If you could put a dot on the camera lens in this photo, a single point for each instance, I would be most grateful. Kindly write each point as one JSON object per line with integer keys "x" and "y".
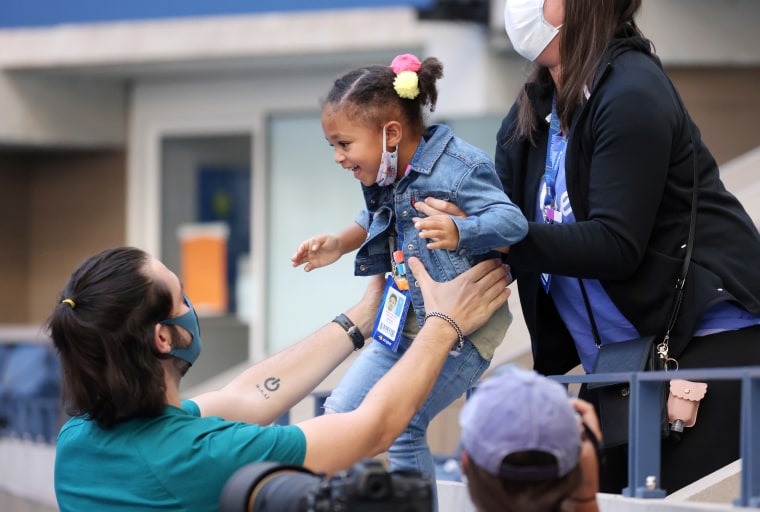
{"x": 375, "y": 487}
{"x": 365, "y": 487}
{"x": 268, "y": 487}
{"x": 285, "y": 491}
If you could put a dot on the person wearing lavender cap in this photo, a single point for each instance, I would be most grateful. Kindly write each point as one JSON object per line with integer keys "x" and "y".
{"x": 526, "y": 445}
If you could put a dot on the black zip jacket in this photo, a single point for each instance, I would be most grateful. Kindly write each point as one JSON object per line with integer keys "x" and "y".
{"x": 629, "y": 165}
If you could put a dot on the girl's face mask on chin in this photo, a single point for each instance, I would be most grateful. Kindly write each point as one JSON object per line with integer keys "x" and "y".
{"x": 388, "y": 165}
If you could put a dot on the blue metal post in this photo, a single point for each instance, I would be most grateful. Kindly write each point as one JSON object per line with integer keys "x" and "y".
{"x": 750, "y": 445}
{"x": 319, "y": 401}
{"x": 644, "y": 439}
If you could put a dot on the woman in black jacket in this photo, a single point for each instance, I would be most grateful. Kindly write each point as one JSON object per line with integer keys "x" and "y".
{"x": 611, "y": 203}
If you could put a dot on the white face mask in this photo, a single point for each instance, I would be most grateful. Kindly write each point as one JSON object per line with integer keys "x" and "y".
{"x": 526, "y": 27}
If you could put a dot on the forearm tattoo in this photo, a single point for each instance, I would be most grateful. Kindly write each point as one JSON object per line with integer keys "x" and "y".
{"x": 270, "y": 385}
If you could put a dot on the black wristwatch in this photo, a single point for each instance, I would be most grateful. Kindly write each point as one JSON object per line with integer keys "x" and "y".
{"x": 357, "y": 338}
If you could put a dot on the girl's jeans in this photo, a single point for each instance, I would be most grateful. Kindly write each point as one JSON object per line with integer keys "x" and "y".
{"x": 410, "y": 450}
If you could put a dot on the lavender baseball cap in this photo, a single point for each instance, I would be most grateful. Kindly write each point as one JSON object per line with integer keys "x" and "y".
{"x": 519, "y": 410}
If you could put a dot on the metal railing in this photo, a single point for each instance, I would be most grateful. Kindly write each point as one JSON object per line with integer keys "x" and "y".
{"x": 39, "y": 417}
{"x": 645, "y": 429}
{"x": 644, "y": 425}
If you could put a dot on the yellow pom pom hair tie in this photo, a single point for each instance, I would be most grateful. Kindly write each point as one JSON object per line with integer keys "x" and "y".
{"x": 406, "y": 83}
{"x": 69, "y": 302}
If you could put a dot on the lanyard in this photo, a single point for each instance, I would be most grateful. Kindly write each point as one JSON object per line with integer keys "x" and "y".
{"x": 396, "y": 243}
{"x": 555, "y": 148}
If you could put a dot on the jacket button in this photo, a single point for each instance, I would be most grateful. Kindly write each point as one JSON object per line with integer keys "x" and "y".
{"x": 362, "y": 267}
{"x": 410, "y": 247}
{"x": 405, "y": 213}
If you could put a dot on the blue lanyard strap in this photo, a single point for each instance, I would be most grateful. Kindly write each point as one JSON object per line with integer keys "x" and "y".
{"x": 554, "y": 150}
{"x": 398, "y": 268}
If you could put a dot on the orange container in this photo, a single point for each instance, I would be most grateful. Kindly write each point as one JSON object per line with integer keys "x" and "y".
{"x": 203, "y": 256}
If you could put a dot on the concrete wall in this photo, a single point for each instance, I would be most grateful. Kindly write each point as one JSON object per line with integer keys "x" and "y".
{"x": 54, "y": 110}
{"x": 58, "y": 207}
{"x": 725, "y": 104}
{"x": 14, "y": 239}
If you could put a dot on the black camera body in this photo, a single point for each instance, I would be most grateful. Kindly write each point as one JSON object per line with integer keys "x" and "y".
{"x": 365, "y": 487}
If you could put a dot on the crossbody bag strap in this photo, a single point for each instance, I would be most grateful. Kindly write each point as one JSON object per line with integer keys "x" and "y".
{"x": 594, "y": 329}
{"x": 663, "y": 346}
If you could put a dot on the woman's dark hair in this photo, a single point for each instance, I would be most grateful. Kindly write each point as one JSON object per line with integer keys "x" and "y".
{"x": 367, "y": 94}
{"x": 584, "y": 37}
{"x": 110, "y": 366}
{"x": 491, "y": 493}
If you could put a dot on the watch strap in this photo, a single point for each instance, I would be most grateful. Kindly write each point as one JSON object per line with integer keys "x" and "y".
{"x": 357, "y": 338}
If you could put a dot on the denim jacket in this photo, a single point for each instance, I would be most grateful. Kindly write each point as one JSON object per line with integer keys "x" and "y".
{"x": 444, "y": 167}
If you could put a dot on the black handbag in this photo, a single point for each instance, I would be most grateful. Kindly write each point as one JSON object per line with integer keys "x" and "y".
{"x": 613, "y": 399}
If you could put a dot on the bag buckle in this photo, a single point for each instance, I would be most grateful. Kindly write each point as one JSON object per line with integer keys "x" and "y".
{"x": 668, "y": 363}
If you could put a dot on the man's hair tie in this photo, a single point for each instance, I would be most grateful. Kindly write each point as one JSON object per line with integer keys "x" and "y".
{"x": 69, "y": 302}
{"x": 406, "y": 83}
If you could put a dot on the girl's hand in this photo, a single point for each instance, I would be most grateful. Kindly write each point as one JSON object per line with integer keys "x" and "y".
{"x": 440, "y": 229}
{"x": 317, "y": 251}
{"x": 438, "y": 226}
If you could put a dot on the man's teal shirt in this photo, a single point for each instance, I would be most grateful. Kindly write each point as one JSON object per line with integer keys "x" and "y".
{"x": 175, "y": 461}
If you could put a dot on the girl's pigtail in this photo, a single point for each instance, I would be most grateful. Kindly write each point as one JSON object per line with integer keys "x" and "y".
{"x": 430, "y": 71}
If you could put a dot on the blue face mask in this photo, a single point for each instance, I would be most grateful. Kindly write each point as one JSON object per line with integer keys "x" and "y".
{"x": 189, "y": 322}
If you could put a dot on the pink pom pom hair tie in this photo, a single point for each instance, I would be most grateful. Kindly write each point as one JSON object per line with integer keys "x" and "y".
{"x": 405, "y": 62}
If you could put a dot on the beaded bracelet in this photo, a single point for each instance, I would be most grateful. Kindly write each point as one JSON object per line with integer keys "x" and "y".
{"x": 453, "y": 324}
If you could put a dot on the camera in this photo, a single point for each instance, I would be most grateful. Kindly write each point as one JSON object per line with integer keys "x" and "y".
{"x": 365, "y": 487}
